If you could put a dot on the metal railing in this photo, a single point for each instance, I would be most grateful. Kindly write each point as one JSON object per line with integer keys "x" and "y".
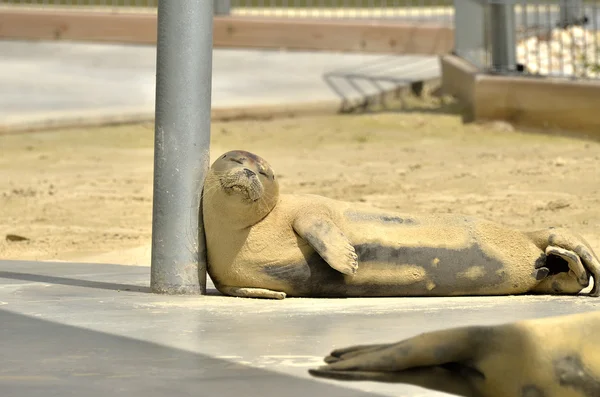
{"x": 434, "y": 11}
{"x": 113, "y": 5}
{"x": 558, "y": 38}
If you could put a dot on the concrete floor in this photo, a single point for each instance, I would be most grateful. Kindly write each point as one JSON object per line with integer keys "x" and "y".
{"x": 70, "y": 329}
{"x": 45, "y": 79}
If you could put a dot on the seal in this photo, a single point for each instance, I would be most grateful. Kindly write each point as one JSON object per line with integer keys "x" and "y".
{"x": 549, "y": 357}
{"x": 262, "y": 244}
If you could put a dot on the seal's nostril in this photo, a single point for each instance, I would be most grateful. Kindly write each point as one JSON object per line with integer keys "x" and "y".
{"x": 248, "y": 172}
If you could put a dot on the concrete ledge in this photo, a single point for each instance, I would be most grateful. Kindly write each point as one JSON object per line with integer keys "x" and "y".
{"x": 144, "y": 114}
{"x": 548, "y": 103}
{"x": 458, "y": 80}
{"x": 104, "y": 117}
{"x": 273, "y": 111}
{"x": 237, "y": 32}
{"x": 539, "y": 103}
{"x": 75, "y": 119}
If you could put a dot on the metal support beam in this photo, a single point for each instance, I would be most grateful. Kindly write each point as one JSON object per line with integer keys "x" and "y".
{"x": 571, "y": 13}
{"x": 222, "y": 7}
{"x": 502, "y": 35}
{"x": 469, "y": 31}
{"x": 181, "y": 145}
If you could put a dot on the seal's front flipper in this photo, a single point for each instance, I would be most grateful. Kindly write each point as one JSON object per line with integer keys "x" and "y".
{"x": 329, "y": 241}
{"x": 440, "y": 360}
{"x": 345, "y": 353}
{"x": 433, "y": 378}
{"x": 252, "y": 292}
{"x": 429, "y": 349}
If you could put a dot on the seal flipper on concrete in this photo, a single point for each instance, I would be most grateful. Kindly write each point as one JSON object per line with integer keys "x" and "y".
{"x": 433, "y": 378}
{"x": 544, "y": 357}
{"x": 337, "y": 354}
{"x": 328, "y": 240}
{"x": 564, "y": 244}
{"x": 243, "y": 292}
{"x": 437, "y": 360}
{"x": 430, "y": 349}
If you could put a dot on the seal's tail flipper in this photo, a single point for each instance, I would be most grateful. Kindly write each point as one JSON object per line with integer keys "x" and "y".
{"x": 568, "y": 245}
{"x": 576, "y": 268}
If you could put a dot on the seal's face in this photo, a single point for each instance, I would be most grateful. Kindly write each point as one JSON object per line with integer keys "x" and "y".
{"x": 245, "y": 181}
{"x": 244, "y": 174}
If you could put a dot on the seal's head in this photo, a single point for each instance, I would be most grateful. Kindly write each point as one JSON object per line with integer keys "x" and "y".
{"x": 242, "y": 185}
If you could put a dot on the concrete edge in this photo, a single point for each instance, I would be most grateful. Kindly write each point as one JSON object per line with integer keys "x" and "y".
{"x": 265, "y": 112}
{"x": 105, "y": 117}
{"x": 551, "y": 104}
{"x": 137, "y": 115}
{"x": 458, "y": 80}
{"x": 75, "y": 119}
{"x": 374, "y": 36}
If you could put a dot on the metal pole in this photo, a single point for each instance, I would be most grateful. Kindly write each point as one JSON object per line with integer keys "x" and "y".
{"x": 469, "y": 32}
{"x": 571, "y": 13}
{"x": 502, "y": 35}
{"x": 222, "y": 7}
{"x": 181, "y": 145}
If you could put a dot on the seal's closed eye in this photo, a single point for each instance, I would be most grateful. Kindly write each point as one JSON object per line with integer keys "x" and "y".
{"x": 237, "y": 161}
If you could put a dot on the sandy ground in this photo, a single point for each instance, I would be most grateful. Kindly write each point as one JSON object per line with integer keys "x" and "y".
{"x": 86, "y": 194}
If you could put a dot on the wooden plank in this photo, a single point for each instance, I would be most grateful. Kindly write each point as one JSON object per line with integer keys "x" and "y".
{"x": 314, "y": 34}
{"x": 232, "y": 32}
{"x": 77, "y": 25}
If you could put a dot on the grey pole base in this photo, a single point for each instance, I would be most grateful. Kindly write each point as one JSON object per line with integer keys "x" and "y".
{"x": 177, "y": 289}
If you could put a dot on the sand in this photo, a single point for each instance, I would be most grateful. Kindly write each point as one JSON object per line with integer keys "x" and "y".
{"x": 86, "y": 194}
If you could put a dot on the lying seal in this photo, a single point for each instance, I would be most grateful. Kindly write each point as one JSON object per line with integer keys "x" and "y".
{"x": 265, "y": 245}
{"x": 550, "y": 357}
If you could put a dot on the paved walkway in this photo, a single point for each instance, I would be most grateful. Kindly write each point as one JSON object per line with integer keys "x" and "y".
{"x": 41, "y": 79}
{"x": 74, "y": 329}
